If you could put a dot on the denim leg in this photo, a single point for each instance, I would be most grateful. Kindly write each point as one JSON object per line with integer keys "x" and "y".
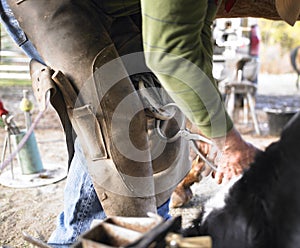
{"x": 164, "y": 210}
{"x": 81, "y": 204}
{"x": 14, "y": 30}
{"x": 31, "y": 51}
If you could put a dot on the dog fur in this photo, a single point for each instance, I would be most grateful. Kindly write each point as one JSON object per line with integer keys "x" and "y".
{"x": 262, "y": 209}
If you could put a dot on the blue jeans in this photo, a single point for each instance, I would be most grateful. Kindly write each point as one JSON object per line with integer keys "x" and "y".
{"x": 81, "y": 204}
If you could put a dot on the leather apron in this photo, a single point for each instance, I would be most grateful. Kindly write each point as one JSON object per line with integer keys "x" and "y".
{"x": 90, "y": 57}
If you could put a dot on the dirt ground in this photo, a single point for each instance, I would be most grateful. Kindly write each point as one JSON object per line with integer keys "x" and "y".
{"x": 34, "y": 210}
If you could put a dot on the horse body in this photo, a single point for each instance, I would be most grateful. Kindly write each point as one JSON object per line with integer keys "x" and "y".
{"x": 262, "y": 209}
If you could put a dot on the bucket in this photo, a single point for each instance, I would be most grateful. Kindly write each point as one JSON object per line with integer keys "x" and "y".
{"x": 278, "y": 118}
{"x": 28, "y": 157}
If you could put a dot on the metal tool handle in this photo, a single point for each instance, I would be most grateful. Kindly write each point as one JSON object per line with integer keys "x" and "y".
{"x": 192, "y": 137}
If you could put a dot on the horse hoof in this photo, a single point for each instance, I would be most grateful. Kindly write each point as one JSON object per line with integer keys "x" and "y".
{"x": 180, "y": 197}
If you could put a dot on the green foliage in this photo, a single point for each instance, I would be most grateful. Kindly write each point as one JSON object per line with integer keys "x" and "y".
{"x": 281, "y": 33}
{"x": 14, "y": 82}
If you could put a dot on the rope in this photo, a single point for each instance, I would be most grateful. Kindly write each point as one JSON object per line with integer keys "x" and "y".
{"x": 26, "y": 136}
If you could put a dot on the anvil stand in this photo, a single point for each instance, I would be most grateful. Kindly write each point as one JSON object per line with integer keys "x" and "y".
{"x": 246, "y": 89}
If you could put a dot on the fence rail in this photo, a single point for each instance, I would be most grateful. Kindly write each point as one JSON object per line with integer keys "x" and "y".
{"x": 14, "y": 65}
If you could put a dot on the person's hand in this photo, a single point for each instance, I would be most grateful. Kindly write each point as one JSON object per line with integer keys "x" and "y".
{"x": 233, "y": 155}
{"x": 230, "y": 154}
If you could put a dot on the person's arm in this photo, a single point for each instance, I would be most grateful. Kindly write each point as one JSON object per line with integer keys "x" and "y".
{"x": 178, "y": 49}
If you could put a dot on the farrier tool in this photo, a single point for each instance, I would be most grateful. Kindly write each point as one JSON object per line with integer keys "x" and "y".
{"x": 187, "y": 135}
{"x": 161, "y": 112}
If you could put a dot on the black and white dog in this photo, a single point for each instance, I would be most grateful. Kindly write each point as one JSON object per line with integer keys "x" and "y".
{"x": 262, "y": 209}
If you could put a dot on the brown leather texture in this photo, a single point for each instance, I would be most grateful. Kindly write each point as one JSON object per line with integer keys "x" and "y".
{"x": 77, "y": 40}
{"x": 267, "y": 9}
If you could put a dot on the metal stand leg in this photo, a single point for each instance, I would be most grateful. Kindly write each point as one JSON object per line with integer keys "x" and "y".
{"x": 11, "y": 162}
{"x": 7, "y": 143}
{"x": 4, "y": 150}
{"x": 231, "y": 102}
{"x": 245, "y": 108}
{"x": 252, "y": 110}
{"x": 245, "y": 90}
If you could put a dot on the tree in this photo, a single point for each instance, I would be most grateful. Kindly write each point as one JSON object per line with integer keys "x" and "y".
{"x": 279, "y": 32}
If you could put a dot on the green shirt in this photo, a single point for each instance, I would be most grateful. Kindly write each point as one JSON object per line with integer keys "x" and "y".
{"x": 178, "y": 49}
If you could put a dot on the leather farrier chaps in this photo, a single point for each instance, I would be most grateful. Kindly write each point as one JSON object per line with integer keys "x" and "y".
{"x": 133, "y": 171}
